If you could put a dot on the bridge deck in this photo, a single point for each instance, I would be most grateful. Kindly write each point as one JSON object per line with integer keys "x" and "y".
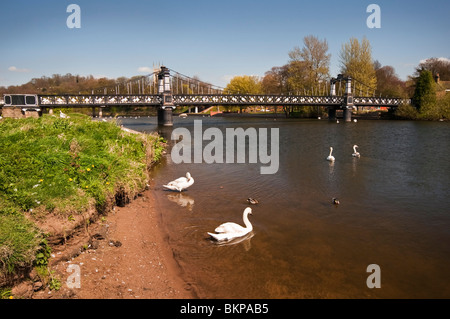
{"x": 209, "y": 100}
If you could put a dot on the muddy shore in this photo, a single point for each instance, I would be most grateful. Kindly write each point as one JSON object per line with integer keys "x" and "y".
{"x": 124, "y": 255}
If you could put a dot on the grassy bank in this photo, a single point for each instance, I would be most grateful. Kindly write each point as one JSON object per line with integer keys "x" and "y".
{"x": 65, "y": 170}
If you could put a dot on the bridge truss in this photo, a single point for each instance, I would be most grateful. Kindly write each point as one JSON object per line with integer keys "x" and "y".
{"x": 209, "y": 100}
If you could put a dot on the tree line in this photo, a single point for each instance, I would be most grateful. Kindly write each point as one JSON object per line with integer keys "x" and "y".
{"x": 77, "y": 84}
{"x": 307, "y": 72}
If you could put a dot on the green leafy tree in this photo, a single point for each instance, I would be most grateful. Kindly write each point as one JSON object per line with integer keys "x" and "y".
{"x": 298, "y": 80}
{"x": 425, "y": 92}
{"x": 244, "y": 84}
{"x": 356, "y": 61}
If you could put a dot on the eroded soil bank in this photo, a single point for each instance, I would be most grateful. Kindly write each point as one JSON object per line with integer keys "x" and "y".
{"x": 124, "y": 255}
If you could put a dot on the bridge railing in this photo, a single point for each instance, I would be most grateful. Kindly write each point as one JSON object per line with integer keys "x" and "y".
{"x": 85, "y": 100}
{"x": 379, "y": 101}
{"x": 98, "y": 100}
{"x": 249, "y": 99}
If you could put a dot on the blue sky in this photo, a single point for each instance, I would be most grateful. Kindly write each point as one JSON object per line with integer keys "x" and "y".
{"x": 214, "y": 40}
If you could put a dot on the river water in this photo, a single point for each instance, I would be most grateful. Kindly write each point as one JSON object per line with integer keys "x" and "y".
{"x": 394, "y": 212}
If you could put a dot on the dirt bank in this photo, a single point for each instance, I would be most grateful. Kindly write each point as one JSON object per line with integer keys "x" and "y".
{"x": 127, "y": 256}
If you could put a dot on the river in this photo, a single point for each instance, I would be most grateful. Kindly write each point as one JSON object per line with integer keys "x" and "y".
{"x": 394, "y": 211}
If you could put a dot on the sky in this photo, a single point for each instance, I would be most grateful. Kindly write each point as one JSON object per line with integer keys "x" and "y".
{"x": 214, "y": 40}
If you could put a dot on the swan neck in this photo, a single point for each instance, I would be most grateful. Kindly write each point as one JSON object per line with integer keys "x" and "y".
{"x": 247, "y": 223}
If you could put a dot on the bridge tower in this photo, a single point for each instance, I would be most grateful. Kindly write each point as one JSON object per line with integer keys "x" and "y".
{"x": 348, "y": 100}
{"x": 165, "y": 117}
{"x": 347, "y": 105}
{"x": 332, "y": 109}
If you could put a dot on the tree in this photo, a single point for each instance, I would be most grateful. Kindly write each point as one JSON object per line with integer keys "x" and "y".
{"x": 309, "y": 65}
{"x": 356, "y": 61}
{"x": 298, "y": 80}
{"x": 244, "y": 84}
{"x": 388, "y": 83}
{"x": 275, "y": 80}
{"x": 439, "y": 66}
{"x": 424, "y": 98}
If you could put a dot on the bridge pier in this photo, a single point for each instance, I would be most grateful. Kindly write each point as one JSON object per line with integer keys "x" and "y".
{"x": 332, "y": 113}
{"x": 347, "y": 114}
{"x": 165, "y": 116}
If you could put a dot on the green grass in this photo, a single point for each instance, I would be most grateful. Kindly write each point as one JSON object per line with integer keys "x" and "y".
{"x": 62, "y": 166}
{"x": 19, "y": 242}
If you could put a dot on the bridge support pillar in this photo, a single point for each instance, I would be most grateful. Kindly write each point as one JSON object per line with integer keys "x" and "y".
{"x": 348, "y": 100}
{"x": 165, "y": 116}
{"x": 332, "y": 114}
{"x": 347, "y": 114}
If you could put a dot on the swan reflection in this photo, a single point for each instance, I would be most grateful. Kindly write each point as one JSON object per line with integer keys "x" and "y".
{"x": 182, "y": 200}
{"x": 331, "y": 167}
{"x": 245, "y": 240}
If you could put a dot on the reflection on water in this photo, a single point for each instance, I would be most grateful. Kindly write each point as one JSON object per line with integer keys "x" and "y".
{"x": 181, "y": 199}
{"x": 245, "y": 240}
{"x": 393, "y": 212}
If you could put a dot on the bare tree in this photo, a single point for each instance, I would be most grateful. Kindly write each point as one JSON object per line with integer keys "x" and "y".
{"x": 311, "y": 63}
{"x": 436, "y": 66}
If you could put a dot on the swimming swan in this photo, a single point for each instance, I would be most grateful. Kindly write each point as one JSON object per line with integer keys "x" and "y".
{"x": 180, "y": 183}
{"x": 355, "y": 153}
{"x": 331, "y": 157}
{"x": 228, "y": 231}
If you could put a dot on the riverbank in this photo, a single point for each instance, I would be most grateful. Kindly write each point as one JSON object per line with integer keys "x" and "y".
{"x": 127, "y": 256}
{"x": 76, "y": 191}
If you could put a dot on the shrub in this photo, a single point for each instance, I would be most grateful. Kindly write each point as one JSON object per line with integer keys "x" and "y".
{"x": 425, "y": 92}
{"x": 407, "y": 112}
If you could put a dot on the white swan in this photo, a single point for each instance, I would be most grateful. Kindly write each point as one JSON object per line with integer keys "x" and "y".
{"x": 180, "y": 183}
{"x": 228, "y": 231}
{"x": 62, "y": 115}
{"x": 331, "y": 157}
{"x": 355, "y": 153}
